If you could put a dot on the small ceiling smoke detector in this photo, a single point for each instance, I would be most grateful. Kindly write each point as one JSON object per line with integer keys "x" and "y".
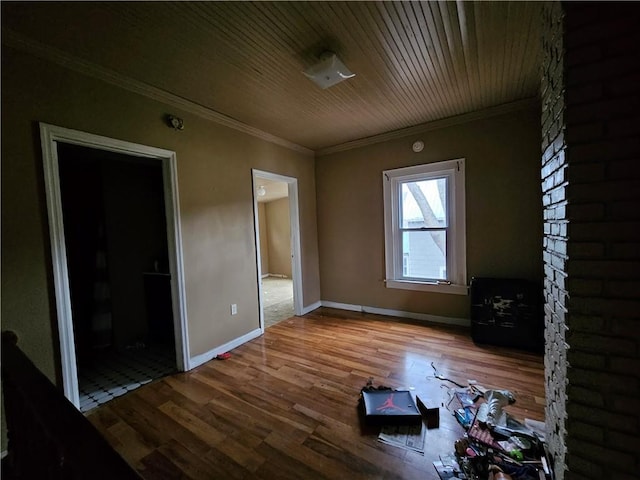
{"x": 328, "y": 71}
{"x": 261, "y": 191}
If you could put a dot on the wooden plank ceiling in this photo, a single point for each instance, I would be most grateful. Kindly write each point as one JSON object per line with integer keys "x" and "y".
{"x": 415, "y": 62}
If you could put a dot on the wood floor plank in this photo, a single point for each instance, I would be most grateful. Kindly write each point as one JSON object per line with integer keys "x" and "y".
{"x": 258, "y": 394}
{"x": 369, "y": 451}
{"x": 281, "y": 466}
{"x": 285, "y": 404}
{"x": 130, "y": 444}
{"x": 198, "y": 467}
{"x": 190, "y": 387}
{"x": 203, "y": 430}
{"x": 247, "y": 457}
{"x": 324, "y": 466}
{"x": 155, "y": 427}
{"x": 269, "y": 420}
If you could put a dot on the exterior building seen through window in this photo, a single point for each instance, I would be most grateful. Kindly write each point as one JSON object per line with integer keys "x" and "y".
{"x": 425, "y": 227}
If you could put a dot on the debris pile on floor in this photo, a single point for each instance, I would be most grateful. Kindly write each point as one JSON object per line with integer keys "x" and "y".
{"x": 496, "y": 446}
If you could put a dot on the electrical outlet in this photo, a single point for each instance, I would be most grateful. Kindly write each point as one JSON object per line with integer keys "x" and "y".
{"x": 234, "y": 309}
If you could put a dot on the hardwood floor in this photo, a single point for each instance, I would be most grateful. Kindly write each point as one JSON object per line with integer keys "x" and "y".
{"x": 285, "y": 404}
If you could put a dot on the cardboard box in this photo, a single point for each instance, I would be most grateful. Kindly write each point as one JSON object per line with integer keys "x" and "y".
{"x": 390, "y": 407}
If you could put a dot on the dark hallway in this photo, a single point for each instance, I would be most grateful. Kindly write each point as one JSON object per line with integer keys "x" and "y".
{"x": 116, "y": 242}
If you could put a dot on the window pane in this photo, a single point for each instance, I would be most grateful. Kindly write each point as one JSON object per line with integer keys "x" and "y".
{"x": 424, "y": 255}
{"x": 423, "y": 204}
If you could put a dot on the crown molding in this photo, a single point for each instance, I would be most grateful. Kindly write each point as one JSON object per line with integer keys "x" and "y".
{"x": 20, "y": 42}
{"x": 435, "y": 125}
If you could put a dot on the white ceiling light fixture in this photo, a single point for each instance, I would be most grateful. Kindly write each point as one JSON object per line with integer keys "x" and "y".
{"x": 261, "y": 191}
{"x": 328, "y": 71}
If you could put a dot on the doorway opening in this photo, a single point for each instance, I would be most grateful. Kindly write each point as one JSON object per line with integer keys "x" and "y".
{"x": 278, "y": 247}
{"x": 116, "y": 253}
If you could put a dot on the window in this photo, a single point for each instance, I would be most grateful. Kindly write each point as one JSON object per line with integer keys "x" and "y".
{"x": 424, "y": 222}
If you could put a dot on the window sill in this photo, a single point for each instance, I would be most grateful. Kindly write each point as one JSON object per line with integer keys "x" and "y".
{"x": 428, "y": 287}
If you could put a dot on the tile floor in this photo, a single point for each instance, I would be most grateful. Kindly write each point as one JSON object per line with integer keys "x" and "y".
{"x": 115, "y": 373}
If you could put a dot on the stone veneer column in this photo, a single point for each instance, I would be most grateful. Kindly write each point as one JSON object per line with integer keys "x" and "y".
{"x": 591, "y": 192}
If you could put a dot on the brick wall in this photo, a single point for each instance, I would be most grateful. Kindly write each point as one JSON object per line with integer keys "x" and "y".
{"x": 554, "y": 186}
{"x": 591, "y": 188}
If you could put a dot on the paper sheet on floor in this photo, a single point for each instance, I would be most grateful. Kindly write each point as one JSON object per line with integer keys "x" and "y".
{"x": 409, "y": 437}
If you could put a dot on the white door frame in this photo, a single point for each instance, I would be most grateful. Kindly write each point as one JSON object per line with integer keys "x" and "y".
{"x": 50, "y": 136}
{"x": 294, "y": 222}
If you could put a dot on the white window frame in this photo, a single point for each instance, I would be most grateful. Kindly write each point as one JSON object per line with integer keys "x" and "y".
{"x": 456, "y": 282}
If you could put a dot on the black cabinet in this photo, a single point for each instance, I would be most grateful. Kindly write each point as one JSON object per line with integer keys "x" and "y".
{"x": 507, "y": 312}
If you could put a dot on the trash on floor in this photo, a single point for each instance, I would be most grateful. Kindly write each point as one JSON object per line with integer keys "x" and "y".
{"x": 496, "y": 445}
{"x": 431, "y": 415}
{"x": 408, "y": 437}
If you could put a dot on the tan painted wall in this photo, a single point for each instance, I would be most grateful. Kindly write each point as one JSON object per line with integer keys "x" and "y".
{"x": 503, "y": 199}
{"x": 279, "y": 233}
{"x": 216, "y": 206}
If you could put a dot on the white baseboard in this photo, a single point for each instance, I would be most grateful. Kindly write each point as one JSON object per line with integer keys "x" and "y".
{"x": 464, "y": 322}
{"x": 211, "y": 354}
{"x": 311, "y": 308}
{"x": 342, "y": 306}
